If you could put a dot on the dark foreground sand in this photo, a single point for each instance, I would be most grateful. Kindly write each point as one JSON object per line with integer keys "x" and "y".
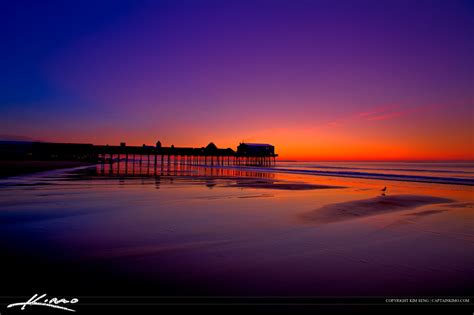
{"x": 367, "y": 207}
{"x": 12, "y": 168}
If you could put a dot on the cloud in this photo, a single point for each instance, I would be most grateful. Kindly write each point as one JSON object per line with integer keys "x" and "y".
{"x": 376, "y": 111}
{"x": 388, "y": 112}
{"x": 386, "y": 116}
{"x": 384, "y": 112}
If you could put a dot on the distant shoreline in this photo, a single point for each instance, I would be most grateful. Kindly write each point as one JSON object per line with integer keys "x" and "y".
{"x": 10, "y": 168}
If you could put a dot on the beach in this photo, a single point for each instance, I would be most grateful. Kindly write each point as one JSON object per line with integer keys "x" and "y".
{"x": 234, "y": 232}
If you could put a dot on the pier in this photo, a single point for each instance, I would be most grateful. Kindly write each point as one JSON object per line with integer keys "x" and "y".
{"x": 246, "y": 155}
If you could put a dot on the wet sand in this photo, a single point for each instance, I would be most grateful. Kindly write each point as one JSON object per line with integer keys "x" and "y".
{"x": 96, "y": 232}
{"x": 368, "y": 207}
{"x": 281, "y": 185}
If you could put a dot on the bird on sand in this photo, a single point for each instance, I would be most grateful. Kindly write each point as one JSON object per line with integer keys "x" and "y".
{"x": 383, "y": 190}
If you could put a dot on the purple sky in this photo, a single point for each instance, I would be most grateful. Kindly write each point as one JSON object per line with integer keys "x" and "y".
{"x": 319, "y": 79}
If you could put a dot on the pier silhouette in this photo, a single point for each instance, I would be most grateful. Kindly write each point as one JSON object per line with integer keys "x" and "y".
{"x": 247, "y": 154}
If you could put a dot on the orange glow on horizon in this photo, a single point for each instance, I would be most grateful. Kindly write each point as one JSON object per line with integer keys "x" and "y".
{"x": 425, "y": 134}
{"x": 309, "y": 148}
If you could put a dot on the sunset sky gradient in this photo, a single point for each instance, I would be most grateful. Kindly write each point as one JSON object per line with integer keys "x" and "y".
{"x": 322, "y": 80}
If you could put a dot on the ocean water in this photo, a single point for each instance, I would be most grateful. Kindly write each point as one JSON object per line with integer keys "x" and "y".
{"x": 461, "y": 173}
{"x": 137, "y": 228}
{"x": 455, "y": 173}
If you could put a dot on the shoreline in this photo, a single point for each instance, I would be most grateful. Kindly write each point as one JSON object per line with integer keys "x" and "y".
{"x": 365, "y": 175}
{"x": 9, "y": 168}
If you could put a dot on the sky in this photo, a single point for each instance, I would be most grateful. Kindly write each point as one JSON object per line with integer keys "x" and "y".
{"x": 320, "y": 80}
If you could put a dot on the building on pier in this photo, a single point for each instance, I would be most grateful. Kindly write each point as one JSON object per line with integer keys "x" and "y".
{"x": 255, "y": 149}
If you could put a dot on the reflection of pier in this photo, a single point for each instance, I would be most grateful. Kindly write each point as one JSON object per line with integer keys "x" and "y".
{"x": 170, "y": 173}
{"x": 246, "y": 155}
